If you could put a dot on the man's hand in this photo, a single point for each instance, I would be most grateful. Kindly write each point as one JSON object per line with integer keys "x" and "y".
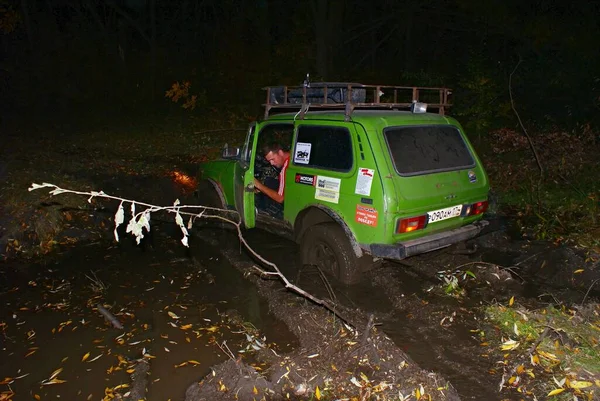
{"x": 271, "y": 193}
{"x": 257, "y": 185}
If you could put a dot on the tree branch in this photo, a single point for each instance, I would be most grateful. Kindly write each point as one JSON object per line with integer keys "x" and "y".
{"x": 512, "y": 103}
{"x": 138, "y": 222}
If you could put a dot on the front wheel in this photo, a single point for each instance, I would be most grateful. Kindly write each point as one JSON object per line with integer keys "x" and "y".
{"x": 327, "y": 246}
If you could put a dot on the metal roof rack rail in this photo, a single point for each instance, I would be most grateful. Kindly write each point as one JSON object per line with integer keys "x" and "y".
{"x": 352, "y": 96}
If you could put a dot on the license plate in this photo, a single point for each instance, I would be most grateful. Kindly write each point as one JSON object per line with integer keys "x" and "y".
{"x": 443, "y": 214}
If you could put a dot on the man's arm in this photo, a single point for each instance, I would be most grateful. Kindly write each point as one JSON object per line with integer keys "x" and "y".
{"x": 271, "y": 193}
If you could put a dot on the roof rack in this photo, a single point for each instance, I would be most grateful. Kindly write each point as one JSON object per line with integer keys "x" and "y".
{"x": 352, "y": 96}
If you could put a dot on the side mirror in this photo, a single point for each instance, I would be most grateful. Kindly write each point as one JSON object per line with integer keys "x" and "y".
{"x": 230, "y": 153}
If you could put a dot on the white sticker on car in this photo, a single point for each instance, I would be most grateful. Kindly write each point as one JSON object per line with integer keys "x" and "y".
{"x": 364, "y": 180}
{"x": 302, "y": 155}
{"x": 328, "y": 189}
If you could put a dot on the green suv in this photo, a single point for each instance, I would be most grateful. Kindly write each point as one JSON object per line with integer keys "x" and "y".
{"x": 371, "y": 174}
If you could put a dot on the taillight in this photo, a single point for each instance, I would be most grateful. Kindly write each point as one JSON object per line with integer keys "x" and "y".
{"x": 411, "y": 224}
{"x": 476, "y": 208}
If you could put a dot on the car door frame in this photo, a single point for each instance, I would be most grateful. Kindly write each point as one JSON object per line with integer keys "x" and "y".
{"x": 244, "y": 178}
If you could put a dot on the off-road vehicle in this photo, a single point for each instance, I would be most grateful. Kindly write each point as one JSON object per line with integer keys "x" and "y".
{"x": 371, "y": 174}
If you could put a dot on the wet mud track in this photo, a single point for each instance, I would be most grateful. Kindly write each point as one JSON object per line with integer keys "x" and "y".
{"x": 174, "y": 303}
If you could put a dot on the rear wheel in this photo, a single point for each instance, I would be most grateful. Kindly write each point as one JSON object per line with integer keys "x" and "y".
{"x": 327, "y": 247}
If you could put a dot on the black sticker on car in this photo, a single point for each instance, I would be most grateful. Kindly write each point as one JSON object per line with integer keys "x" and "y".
{"x": 305, "y": 179}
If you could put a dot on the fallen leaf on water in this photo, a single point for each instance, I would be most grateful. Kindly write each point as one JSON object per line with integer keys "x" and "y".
{"x": 193, "y": 362}
{"x": 512, "y": 301}
{"x": 172, "y": 315}
{"x": 186, "y": 327}
{"x": 578, "y": 271}
{"x": 85, "y": 357}
{"x": 6, "y": 395}
{"x": 53, "y": 381}
{"x": 212, "y": 329}
{"x": 7, "y": 380}
{"x": 31, "y": 352}
{"x": 55, "y": 373}
{"x": 166, "y": 349}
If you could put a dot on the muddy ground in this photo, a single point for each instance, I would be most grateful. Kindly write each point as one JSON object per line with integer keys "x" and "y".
{"x": 205, "y": 326}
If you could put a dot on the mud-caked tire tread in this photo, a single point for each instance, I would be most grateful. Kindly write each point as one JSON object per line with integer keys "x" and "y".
{"x": 349, "y": 265}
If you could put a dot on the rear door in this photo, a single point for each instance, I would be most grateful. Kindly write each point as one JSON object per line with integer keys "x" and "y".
{"x": 244, "y": 179}
{"x": 435, "y": 169}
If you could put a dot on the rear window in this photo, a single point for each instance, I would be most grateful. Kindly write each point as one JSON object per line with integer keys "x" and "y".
{"x": 427, "y": 149}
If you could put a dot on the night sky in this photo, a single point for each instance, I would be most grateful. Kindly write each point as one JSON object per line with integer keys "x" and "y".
{"x": 63, "y": 56}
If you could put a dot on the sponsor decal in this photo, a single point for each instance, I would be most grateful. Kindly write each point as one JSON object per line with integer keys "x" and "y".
{"x": 328, "y": 189}
{"x": 302, "y": 154}
{"x": 366, "y": 215}
{"x": 364, "y": 180}
{"x": 305, "y": 179}
{"x": 472, "y": 176}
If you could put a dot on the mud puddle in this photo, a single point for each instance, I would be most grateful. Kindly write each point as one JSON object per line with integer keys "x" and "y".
{"x": 180, "y": 309}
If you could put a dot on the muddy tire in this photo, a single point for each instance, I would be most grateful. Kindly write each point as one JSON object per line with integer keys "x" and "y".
{"x": 327, "y": 247}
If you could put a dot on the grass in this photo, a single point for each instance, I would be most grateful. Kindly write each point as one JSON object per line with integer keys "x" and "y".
{"x": 554, "y": 344}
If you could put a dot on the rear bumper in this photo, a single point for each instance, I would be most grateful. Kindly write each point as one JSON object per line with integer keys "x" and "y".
{"x": 402, "y": 250}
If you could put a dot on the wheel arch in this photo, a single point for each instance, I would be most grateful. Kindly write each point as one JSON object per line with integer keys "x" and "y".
{"x": 317, "y": 214}
{"x": 216, "y": 187}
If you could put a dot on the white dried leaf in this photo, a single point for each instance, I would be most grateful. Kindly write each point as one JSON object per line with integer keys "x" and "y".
{"x": 119, "y": 219}
{"x": 178, "y": 219}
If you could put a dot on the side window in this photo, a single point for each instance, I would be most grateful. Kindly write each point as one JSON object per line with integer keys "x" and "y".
{"x": 278, "y": 133}
{"x": 324, "y": 147}
{"x": 247, "y": 149}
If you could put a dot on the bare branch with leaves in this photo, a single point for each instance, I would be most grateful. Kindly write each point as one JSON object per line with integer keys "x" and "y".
{"x": 140, "y": 220}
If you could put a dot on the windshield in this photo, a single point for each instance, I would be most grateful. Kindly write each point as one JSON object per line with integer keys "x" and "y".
{"x": 427, "y": 149}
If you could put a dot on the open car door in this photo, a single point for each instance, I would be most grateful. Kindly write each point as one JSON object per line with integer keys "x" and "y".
{"x": 244, "y": 179}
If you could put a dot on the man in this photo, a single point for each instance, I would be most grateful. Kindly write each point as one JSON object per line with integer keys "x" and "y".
{"x": 279, "y": 159}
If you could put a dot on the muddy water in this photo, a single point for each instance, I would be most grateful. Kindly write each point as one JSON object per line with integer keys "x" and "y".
{"x": 175, "y": 306}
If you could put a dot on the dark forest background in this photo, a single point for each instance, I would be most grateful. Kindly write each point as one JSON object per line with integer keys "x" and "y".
{"x": 118, "y": 57}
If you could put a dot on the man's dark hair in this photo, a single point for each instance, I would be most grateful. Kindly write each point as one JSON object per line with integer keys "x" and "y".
{"x": 272, "y": 147}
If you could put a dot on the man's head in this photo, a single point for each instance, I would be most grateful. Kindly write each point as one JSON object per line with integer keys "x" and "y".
{"x": 275, "y": 154}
